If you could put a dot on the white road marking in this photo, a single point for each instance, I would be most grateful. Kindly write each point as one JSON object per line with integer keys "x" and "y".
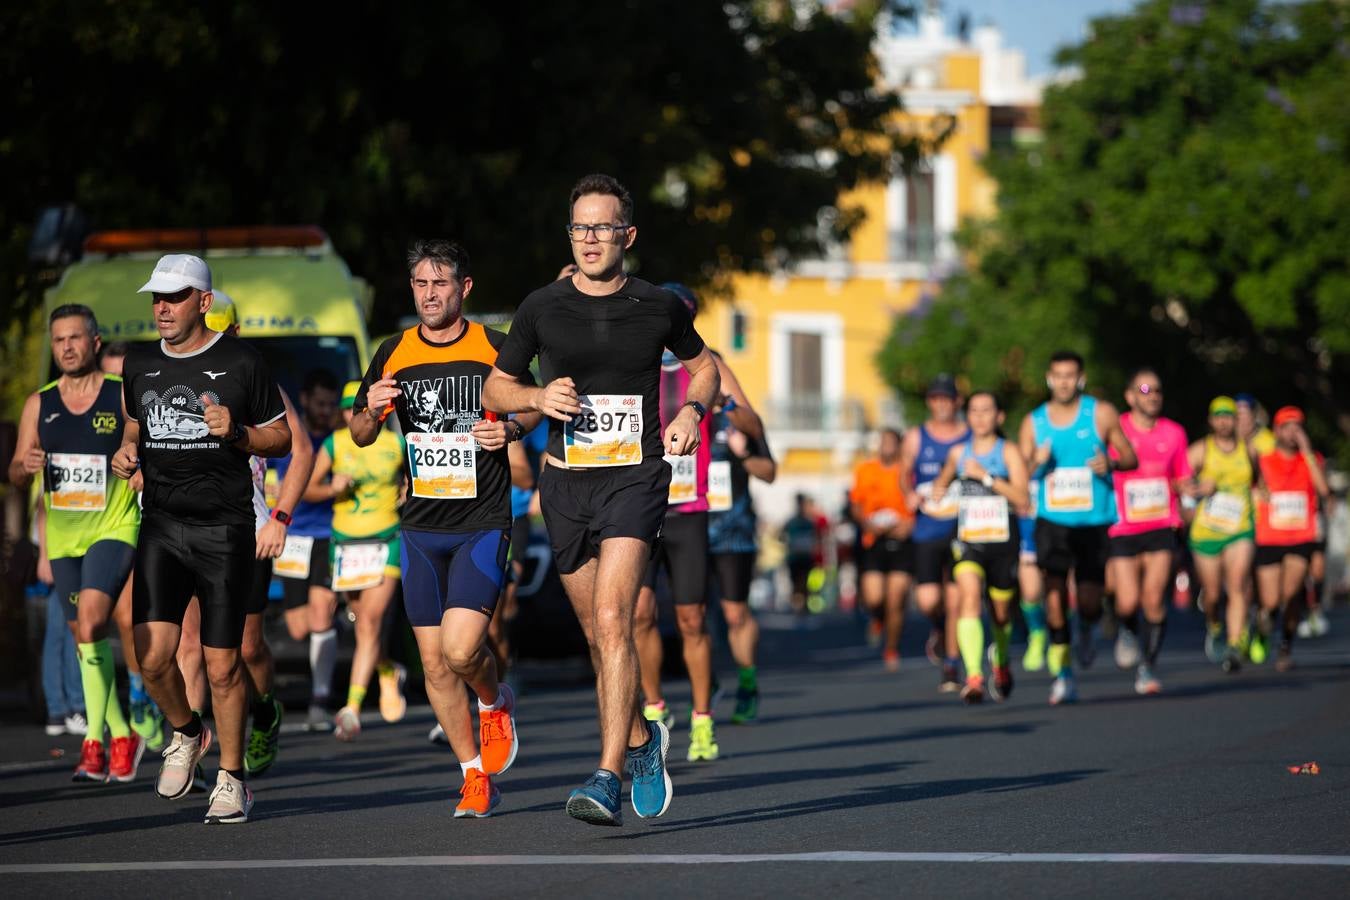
{"x": 682, "y": 859}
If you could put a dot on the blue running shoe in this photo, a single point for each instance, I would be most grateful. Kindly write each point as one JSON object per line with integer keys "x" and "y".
{"x": 651, "y": 782}
{"x": 597, "y": 801}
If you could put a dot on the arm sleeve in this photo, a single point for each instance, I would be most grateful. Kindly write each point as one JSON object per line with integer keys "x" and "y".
{"x": 522, "y": 343}
{"x": 264, "y": 397}
{"x": 683, "y": 340}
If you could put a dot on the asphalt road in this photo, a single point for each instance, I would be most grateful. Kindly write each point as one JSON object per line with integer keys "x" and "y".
{"x": 854, "y": 782}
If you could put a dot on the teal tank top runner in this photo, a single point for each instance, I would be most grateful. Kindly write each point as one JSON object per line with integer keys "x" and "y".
{"x": 1070, "y": 494}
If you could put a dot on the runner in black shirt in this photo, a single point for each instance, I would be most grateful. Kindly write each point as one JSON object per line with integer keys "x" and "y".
{"x": 599, "y": 336}
{"x": 198, "y": 404}
{"x": 457, "y": 521}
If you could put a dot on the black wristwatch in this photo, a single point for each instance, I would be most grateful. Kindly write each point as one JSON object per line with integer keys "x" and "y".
{"x": 520, "y": 430}
{"x": 237, "y": 435}
{"x": 698, "y": 408}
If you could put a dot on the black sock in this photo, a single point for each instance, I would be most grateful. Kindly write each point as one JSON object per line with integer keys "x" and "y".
{"x": 193, "y": 728}
{"x": 1153, "y": 639}
{"x": 1059, "y": 634}
{"x": 237, "y": 774}
{"x": 264, "y": 711}
{"x": 1131, "y": 623}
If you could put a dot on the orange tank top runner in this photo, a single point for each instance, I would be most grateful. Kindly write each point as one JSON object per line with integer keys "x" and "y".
{"x": 1287, "y": 515}
{"x": 876, "y": 489}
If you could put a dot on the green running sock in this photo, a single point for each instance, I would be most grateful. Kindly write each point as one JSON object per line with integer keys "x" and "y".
{"x": 747, "y": 678}
{"x": 356, "y": 695}
{"x": 1002, "y": 635}
{"x": 98, "y": 678}
{"x": 970, "y": 638}
{"x": 1058, "y": 660}
{"x": 1034, "y": 615}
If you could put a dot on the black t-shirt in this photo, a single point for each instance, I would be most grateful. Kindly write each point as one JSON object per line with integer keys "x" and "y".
{"x": 607, "y": 345}
{"x": 190, "y": 474}
{"x": 442, "y": 388}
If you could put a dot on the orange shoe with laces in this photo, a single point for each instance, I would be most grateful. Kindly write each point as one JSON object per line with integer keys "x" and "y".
{"x": 478, "y": 797}
{"x": 497, "y": 738}
{"x": 93, "y": 763}
{"x": 126, "y": 758}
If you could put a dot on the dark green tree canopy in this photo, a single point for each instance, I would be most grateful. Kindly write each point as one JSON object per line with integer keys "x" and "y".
{"x": 732, "y": 123}
{"x": 1186, "y": 210}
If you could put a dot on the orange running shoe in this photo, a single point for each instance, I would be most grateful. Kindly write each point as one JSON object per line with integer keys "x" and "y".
{"x": 497, "y": 733}
{"x": 891, "y": 660}
{"x": 478, "y": 797}
{"x": 93, "y": 763}
{"x": 126, "y": 758}
{"x": 973, "y": 692}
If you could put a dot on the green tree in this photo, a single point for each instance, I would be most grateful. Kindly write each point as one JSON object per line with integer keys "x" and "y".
{"x": 733, "y": 123}
{"x": 1186, "y": 211}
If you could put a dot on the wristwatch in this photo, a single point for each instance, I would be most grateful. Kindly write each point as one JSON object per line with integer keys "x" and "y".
{"x": 698, "y": 408}
{"x": 519, "y": 429}
{"x": 281, "y": 516}
{"x": 237, "y": 434}
{"x": 988, "y": 481}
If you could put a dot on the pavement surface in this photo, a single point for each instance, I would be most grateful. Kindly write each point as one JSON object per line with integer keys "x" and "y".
{"x": 854, "y": 781}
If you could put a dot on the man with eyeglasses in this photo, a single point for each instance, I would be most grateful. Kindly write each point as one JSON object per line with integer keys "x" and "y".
{"x": 600, "y": 336}
{"x": 198, "y": 403}
{"x": 1143, "y": 540}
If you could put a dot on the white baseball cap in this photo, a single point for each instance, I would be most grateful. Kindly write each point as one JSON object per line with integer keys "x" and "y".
{"x": 176, "y": 271}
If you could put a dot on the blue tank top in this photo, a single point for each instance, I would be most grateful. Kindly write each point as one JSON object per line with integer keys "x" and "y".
{"x": 1070, "y": 494}
{"x": 534, "y": 442}
{"x": 309, "y": 519}
{"x": 733, "y": 530}
{"x": 994, "y": 462}
{"x": 932, "y": 456}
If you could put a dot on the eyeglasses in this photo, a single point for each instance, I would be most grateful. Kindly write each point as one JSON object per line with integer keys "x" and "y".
{"x": 1150, "y": 389}
{"x": 605, "y": 231}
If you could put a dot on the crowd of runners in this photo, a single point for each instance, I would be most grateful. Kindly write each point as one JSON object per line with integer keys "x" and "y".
{"x": 178, "y": 480}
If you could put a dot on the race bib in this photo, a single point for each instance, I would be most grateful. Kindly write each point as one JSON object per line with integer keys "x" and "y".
{"x": 1069, "y": 490}
{"x": 1147, "y": 499}
{"x": 78, "y": 481}
{"x": 294, "y": 559}
{"x": 683, "y": 479}
{"x": 719, "y": 486}
{"x": 947, "y": 507}
{"x": 1288, "y": 510}
{"x": 443, "y": 466}
{"x": 607, "y": 432}
{"x": 359, "y": 565}
{"x": 1224, "y": 513}
{"x": 983, "y": 520}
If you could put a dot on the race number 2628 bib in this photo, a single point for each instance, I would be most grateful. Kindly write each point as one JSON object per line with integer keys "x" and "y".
{"x": 719, "y": 486}
{"x": 78, "y": 481}
{"x": 358, "y": 565}
{"x": 683, "y": 479}
{"x": 294, "y": 559}
{"x": 1147, "y": 500}
{"x": 1069, "y": 490}
{"x": 443, "y": 466}
{"x": 607, "y": 432}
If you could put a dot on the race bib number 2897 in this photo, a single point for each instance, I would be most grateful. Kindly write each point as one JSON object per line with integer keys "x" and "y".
{"x": 607, "y": 432}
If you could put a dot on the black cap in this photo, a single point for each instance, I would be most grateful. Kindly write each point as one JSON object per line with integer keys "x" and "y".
{"x": 943, "y": 385}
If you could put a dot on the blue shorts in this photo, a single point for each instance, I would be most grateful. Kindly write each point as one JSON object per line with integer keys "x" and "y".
{"x": 104, "y": 567}
{"x": 452, "y": 571}
{"x": 1027, "y": 528}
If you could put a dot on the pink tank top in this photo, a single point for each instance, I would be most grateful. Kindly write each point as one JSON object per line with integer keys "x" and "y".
{"x": 674, "y": 387}
{"x": 1145, "y": 500}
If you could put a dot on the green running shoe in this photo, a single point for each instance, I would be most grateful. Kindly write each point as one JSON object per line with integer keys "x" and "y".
{"x": 262, "y": 743}
{"x": 1257, "y": 651}
{"x": 659, "y": 712}
{"x": 747, "y": 705}
{"x": 148, "y": 723}
{"x": 702, "y": 742}
{"x": 1034, "y": 659}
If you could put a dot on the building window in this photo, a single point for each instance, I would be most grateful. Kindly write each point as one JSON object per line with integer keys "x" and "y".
{"x": 911, "y": 215}
{"x": 806, "y": 370}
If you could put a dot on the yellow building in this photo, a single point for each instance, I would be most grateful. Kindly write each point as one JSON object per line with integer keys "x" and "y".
{"x": 803, "y": 341}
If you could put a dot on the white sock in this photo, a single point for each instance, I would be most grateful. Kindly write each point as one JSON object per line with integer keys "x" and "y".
{"x": 475, "y": 763}
{"x": 322, "y": 661}
{"x": 496, "y": 704}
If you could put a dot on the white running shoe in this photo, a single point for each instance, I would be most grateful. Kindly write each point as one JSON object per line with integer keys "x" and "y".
{"x": 180, "y": 763}
{"x": 1127, "y": 650}
{"x": 1063, "y": 690}
{"x": 76, "y": 723}
{"x": 1145, "y": 684}
{"x": 437, "y": 735}
{"x": 347, "y": 724}
{"x": 230, "y": 801}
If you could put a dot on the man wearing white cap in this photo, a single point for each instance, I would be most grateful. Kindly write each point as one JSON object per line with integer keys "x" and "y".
{"x": 198, "y": 404}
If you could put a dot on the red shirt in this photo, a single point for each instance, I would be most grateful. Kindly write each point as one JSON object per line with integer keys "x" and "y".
{"x": 1289, "y": 517}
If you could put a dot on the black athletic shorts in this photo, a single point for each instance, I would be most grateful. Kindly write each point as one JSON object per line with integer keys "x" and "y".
{"x": 995, "y": 563}
{"x": 683, "y": 551}
{"x": 295, "y": 591}
{"x": 733, "y": 574}
{"x": 1158, "y": 540}
{"x": 933, "y": 561}
{"x": 889, "y": 554}
{"x": 104, "y": 567}
{"x": 262, "y": 583}
{"x": 176, "y": 560}
{"x": 1082, "y": 550}
{"x": 583, "y": 507}
{"x": 1274, "y": 554}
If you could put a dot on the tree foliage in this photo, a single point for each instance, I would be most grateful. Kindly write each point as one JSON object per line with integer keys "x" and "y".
{"x": 1185, "y": 211}
{"x": 734, "y": 124}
